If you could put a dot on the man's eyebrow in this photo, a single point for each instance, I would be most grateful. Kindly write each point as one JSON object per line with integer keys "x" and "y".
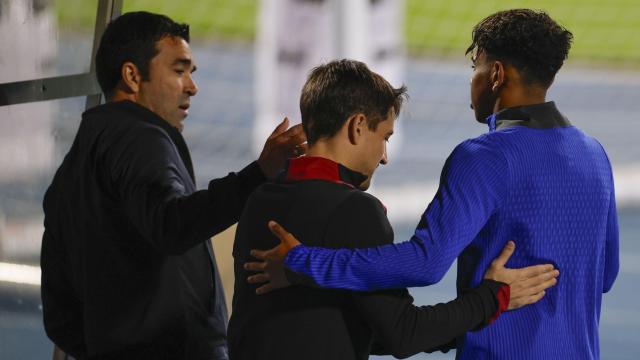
{"x": 186, "y": 62}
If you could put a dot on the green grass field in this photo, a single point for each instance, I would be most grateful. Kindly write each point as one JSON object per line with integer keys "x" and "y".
{"x": 605, "y": 31}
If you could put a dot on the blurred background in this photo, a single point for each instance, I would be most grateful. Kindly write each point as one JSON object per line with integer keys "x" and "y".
{"x": 253, "y": 57}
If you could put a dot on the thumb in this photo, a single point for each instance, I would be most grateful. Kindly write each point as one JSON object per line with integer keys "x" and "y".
{"x": 506, "y": 253}
{"x": 286, "y": 239}
{"x": 281, "y": 127}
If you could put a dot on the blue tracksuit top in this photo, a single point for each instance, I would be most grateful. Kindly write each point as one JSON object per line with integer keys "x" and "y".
{"x": 534, "y": 179}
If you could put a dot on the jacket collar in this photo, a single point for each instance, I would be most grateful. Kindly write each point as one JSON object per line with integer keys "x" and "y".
{"x": 537, "y": 116}
{"x": 141, "y": 113}
{"x": 318, "y": 168}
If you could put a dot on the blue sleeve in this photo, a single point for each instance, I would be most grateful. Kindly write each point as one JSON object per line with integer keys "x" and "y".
{"x": 472, "y": 185}
{"x": 612, "y": 246}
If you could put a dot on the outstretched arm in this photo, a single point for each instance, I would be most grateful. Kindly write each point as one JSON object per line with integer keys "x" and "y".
{"x": 403, "y": 329}
{"x": 473, "y": 184}
{"x": 146, "y": 177}
{"x": 527, "y": 285}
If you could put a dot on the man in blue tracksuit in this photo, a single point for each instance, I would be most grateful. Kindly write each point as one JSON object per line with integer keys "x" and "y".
{"x": 533, "y": 177}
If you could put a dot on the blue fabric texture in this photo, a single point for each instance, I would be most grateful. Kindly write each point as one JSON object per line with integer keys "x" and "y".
{"x": 549, "y": 190}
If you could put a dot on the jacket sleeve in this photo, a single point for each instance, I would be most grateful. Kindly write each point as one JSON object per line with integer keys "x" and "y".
{"x": 402, "y": 329}
{"x": 148, "y": 177}
{"x": 473, "y": 183}
{"x": 399, "y": 327}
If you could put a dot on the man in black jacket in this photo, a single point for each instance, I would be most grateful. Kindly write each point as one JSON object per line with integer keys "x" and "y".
{"x": 348, "y": 113}
{"x": 127, "y": 267}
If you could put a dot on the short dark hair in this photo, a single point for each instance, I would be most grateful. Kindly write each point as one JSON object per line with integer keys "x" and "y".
{"x": 342, "y": 88}
{"x": 132, "y": 37}
{"x": 529, "y": 40}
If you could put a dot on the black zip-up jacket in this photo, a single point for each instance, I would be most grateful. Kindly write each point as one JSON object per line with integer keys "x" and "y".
{"x": 317, "y": 200}
{"x": 127, "y": 268}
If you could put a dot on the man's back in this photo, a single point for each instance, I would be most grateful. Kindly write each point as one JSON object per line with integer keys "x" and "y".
{"x": 318, "y": 324}
{"x": 559, "y": 207}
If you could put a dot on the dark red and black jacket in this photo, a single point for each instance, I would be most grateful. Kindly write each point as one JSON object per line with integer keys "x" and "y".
{"x": 319, "y": 202}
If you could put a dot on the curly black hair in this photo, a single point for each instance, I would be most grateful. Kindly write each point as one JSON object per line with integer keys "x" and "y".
{"x": 132, "y": 37}
{"x": 529, "y": 40}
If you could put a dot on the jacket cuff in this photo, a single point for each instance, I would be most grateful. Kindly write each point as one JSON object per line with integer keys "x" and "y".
{"x": 502, "y": 295}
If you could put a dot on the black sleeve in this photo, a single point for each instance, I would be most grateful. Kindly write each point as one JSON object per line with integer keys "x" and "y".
{"x": 399, "y": 327}
{"x": 149, "y": 179}
{"x": 403, "y": 329}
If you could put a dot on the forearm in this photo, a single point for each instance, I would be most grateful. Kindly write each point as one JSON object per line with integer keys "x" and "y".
{"x": 229, "y": 194}
{"x": 404, "y": 329}
{"x": 178, "y": 222}
{"x": 391, "y": 266}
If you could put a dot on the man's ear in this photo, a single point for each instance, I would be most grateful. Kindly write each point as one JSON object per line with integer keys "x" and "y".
{"x": 356, "y": 125}
{"x": 130, "y": 77}
{"x": 497, "y": 75}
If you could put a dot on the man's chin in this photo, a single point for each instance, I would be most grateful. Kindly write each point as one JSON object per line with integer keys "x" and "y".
{"x": 482, "y": 119}
{"x": 364, "y": 186}
{"x": 178, "y": 122}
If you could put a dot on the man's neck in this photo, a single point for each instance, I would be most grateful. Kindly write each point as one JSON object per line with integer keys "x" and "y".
{"x": 329, "y": 149}
{"x": 520, "y": 96}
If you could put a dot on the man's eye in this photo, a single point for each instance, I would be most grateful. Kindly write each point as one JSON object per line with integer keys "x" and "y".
{"x": 179, "y": 71}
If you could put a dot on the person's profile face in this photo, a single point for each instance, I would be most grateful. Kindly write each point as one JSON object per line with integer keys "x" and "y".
{"x": 374, "y": 147}
{"x": 170, "y": 85}
{"x": 482, "y": 98}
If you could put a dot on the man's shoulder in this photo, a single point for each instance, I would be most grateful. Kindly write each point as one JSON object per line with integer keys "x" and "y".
{"x": 360, "y": 200}
{"x": 486, "y": 147}
{"x": 122, "y": 119}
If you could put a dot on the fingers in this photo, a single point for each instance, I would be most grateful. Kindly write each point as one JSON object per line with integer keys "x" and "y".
{"x": 294, "y": 136}
{"x": 255, "y": 266}
{"x": 540, "y": 286}
{"x": 516, "y": 303}
{"x": 281, "y": 127}
{"x": 266, "y": 288}
{"x": 294, "y": 131}
{"x": 302, "y": 149}
{"x": 258, "y": 278}
{"x": 259, "y": 254}
{"x": 287, "y": 240}
{"x": 535, "y": 284}
{"x": 278, "y": 231}
{"x": 506, "y": 253}
{"x": 532, "y": 271}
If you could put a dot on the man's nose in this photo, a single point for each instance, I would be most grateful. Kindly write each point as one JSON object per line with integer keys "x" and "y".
{"x": 385, "y": 158}
{"x": 192, "y": 87}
